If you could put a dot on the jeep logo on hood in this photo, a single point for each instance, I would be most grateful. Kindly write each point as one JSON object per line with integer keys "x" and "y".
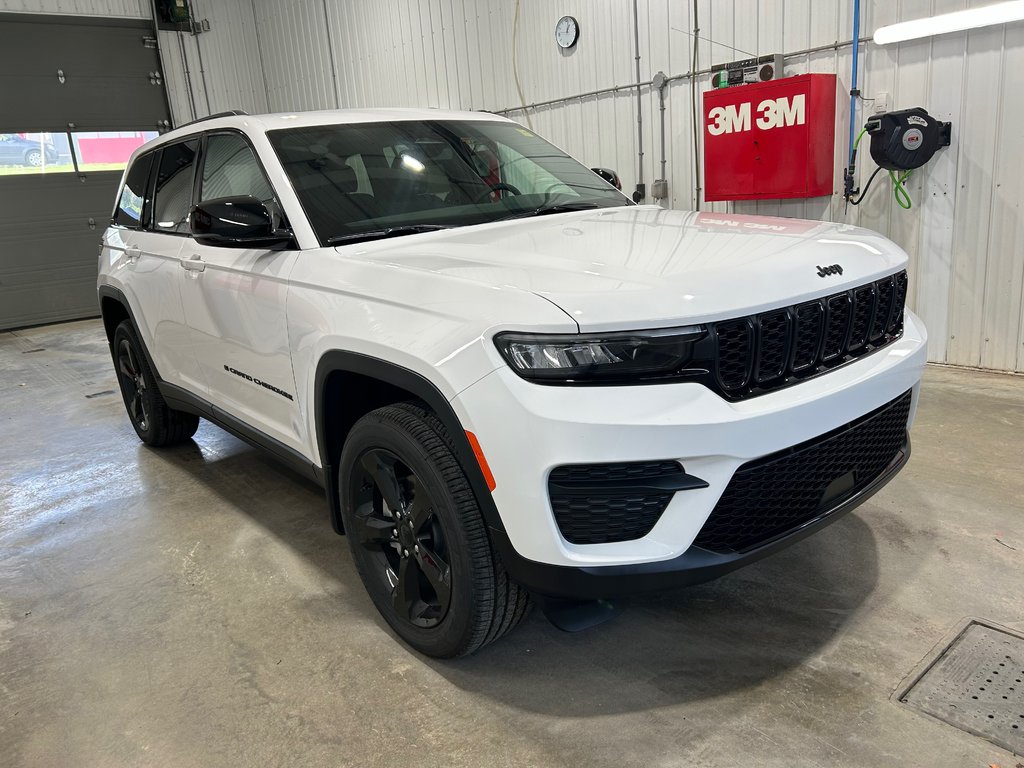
{"x": 834, "y": 269}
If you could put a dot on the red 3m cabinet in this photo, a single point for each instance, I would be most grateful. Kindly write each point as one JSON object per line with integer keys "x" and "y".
{"x": 770, "y": 140}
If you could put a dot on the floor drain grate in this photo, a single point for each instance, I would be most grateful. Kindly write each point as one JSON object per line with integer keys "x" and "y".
{"x": 977, "y": 684}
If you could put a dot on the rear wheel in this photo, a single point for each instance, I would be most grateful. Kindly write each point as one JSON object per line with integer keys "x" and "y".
{"x": 417, "y": 536}
{"x": 34, "y": 158}
{"x": 155, "y": 423}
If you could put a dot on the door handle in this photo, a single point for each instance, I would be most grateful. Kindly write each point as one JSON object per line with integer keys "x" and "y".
{"x": 133, "y": 252}
{"x": 194, "y": 263}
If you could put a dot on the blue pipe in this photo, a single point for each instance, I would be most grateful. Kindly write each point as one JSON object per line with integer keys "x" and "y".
{"x": 853, "y": 83}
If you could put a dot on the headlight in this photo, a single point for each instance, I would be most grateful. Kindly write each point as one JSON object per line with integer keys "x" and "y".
{"x": 604, "y": 357}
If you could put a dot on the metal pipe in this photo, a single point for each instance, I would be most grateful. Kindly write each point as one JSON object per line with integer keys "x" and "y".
{"x": 661, "y": 99}
{"x": 854, "y": 91}
{"x": 672, "y": 78}
{"x": 202, "y": 74}
{"x": 330, "y": 50}
{"x": 259, "y": 53}
{"x": 188, "y": 77}
{"x": 640, "y": 192}
{"x": 693, "y": 109}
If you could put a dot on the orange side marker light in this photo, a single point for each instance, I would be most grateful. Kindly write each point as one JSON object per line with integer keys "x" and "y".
{"x": 481, "y": 460}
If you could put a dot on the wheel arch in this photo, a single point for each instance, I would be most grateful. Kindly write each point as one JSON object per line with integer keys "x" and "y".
{"x": 349, "y": 385}
{"x": 115, "y": 309}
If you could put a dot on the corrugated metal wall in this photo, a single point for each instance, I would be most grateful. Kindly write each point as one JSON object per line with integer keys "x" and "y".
{"x": 217, "y": 70}
{"x": 964, "y": 234}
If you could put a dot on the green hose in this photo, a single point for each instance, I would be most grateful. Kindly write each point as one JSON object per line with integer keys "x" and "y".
{"x": 859, "y": 137}
{"x": 899, "y": 191}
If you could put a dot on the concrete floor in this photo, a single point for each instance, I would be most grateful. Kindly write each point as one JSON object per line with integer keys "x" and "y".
{"x": 191, "y": 607}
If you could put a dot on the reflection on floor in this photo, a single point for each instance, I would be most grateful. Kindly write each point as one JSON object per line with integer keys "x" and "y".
{"x": 191, "y": 607}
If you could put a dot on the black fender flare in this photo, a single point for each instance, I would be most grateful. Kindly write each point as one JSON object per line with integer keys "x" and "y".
{"x": 423, "y": 389}
{"x": 110, "y": 292}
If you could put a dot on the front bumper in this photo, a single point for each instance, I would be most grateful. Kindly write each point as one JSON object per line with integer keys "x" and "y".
{"x": 526, "y": 430}
{"x": 694, "y": 566}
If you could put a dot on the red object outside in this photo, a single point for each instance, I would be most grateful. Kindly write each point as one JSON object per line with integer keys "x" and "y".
{"x": 109, "y": 149}
{"x": 770, "y": 140}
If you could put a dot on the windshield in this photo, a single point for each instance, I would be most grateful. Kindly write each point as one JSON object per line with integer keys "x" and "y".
{"x": 363, "y": 180}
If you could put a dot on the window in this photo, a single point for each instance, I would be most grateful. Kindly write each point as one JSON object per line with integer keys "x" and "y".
{"x": 22, "y": 153}
{"x": 230, "y": 169}
{"x": 361, "y": 178}
{"x": 107, "y": 150}
{"x": 173, "y": 194}
{"x": 131, "y": 206}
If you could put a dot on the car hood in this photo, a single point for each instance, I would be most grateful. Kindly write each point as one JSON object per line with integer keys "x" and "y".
{"x": 645, "y": 266}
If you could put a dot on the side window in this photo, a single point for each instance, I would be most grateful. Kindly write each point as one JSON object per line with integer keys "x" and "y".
{"x": 230, "y": 169}
{"x": 173, "y": 194}
{"x": 132, "y": 204}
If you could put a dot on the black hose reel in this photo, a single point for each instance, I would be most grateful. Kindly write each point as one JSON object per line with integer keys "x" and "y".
{"x": 900, "y": 142}
{"x": 904, "y": 140}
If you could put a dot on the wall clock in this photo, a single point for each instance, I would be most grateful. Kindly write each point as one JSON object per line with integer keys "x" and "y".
{"x": 567, "y": 32}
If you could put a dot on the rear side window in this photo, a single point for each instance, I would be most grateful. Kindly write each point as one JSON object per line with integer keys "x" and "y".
{"x": 132, "y": 204}
{"x": 172, "y": 196}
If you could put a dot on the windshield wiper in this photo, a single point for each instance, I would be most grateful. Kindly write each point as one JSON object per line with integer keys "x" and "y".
{"x": 380, "y": 234}
{"x": 544, "y": 210}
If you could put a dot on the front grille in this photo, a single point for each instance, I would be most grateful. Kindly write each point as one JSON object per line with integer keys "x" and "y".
{"x": 748, "y": 356}
{"x": 773, "y": 495}
{"x": 603, "y": 503}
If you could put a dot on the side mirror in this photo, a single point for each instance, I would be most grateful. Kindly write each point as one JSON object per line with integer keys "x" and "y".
{"x": 235, "y": 222}
{"x": 610, "y": 176}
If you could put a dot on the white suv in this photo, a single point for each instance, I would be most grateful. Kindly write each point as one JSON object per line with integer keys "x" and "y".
{"x": 510, "y": 380}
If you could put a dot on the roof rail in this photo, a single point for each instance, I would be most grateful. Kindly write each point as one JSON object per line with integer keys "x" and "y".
{"x": 229, "y": 113}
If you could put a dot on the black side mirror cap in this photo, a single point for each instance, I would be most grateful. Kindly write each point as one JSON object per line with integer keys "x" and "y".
{"x": 235, "y": 222}
{"x": 610, "y": 176}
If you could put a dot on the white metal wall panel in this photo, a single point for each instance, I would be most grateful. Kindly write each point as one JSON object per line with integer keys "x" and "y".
{"x": 297, "y": 76}
{"x": 964, "y": 233}
{"x": 222, "y": 65}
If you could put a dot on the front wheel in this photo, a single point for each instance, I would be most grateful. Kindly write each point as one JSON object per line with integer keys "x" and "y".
{"x": 417, "y": 537}
{"x": 34, "y": 158}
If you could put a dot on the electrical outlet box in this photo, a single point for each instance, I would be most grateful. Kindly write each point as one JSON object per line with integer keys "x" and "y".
{"x": 659, "y": 189}
{"x": 880, "y": 103}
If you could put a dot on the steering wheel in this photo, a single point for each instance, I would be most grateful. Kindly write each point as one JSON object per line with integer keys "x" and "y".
{"x": 497, "y": 188}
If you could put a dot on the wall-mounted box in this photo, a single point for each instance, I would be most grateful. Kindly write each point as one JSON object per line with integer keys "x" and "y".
{"x": 770, "y": 140}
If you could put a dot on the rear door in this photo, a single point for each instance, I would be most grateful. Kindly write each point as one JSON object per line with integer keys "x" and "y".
{"x": 149, "y": 252}
{"x": 235, "y": 300}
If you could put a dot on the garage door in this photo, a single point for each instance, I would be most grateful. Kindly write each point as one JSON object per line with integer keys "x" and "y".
{"x": 79, "y": 94}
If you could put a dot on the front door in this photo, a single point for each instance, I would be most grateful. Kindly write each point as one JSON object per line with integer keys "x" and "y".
{"x": 234, "y": 302}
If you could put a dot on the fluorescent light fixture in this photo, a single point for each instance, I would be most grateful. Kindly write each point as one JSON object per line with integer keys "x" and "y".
{"x": 1000, "y": 13}
{"x": 410, "y": 162}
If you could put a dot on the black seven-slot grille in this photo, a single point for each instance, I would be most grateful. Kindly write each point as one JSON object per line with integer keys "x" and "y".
{"x": 755, "y": 354}
{"x": 773, "y": 495}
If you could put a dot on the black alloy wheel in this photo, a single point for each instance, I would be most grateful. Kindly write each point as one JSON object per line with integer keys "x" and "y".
{"x": 133, "y": 385}
{"x": 395, "y": 521}
{"x": 418, "y": 538}
{"x": 154, "y": 421}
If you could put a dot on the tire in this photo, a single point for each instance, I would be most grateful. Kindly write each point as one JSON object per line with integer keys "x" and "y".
{"x": 155, "y": 423}
{"x": 34, "y": 158}
{"x": 417, "y": 537}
